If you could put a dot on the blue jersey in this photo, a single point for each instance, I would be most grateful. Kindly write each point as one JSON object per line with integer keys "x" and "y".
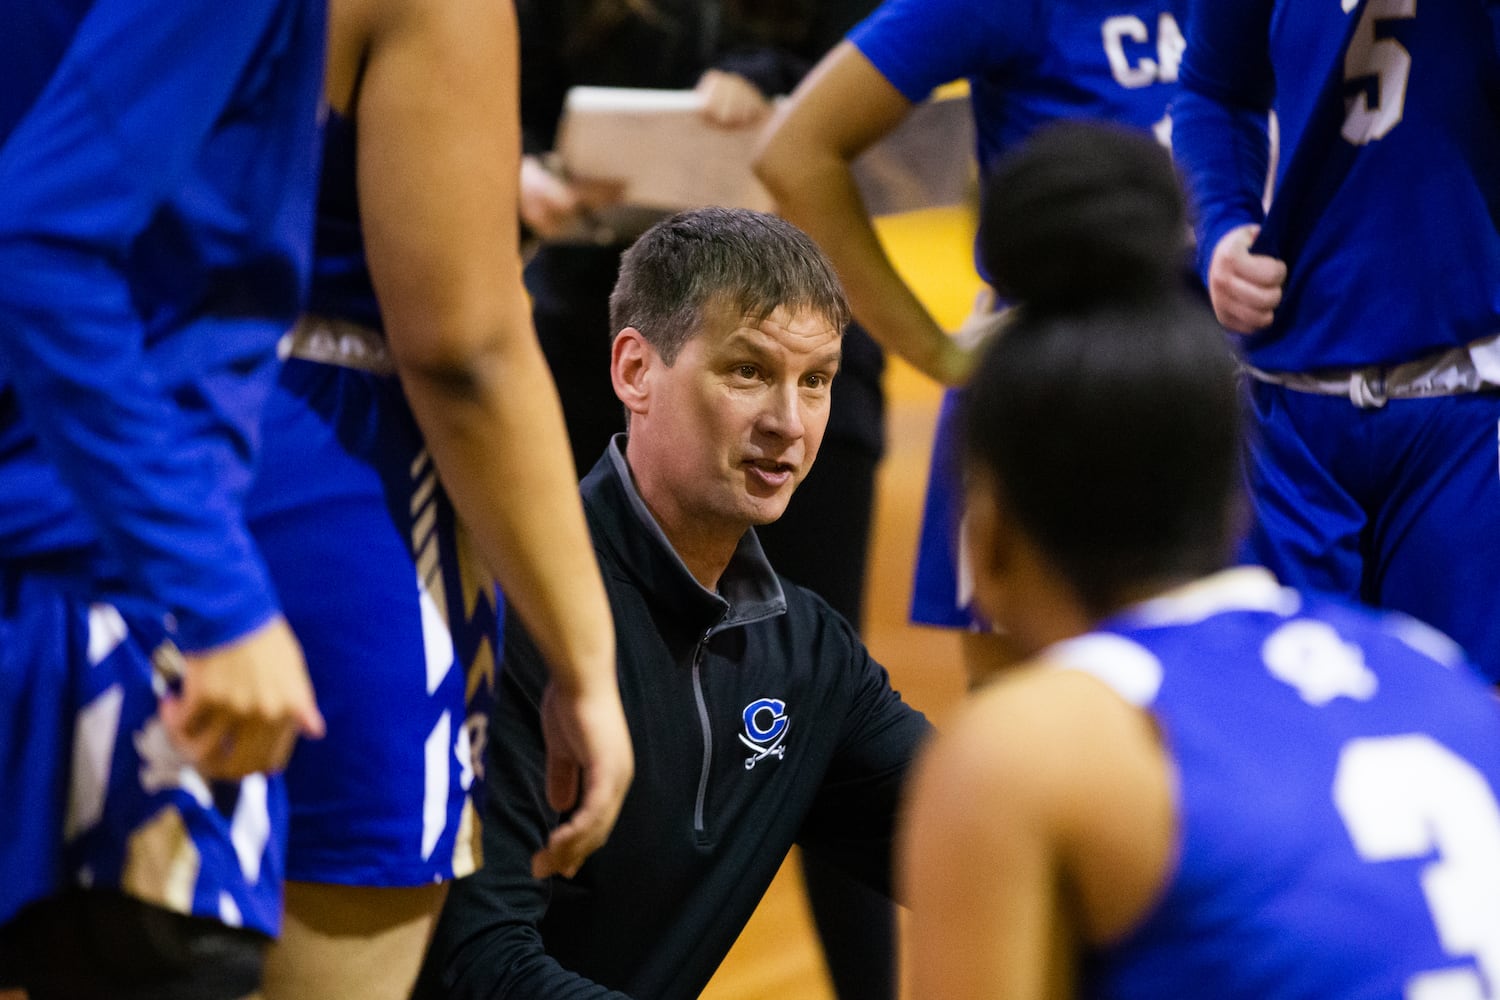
{"x": 1336, "y": 773}
{"x": 155, "y": 227}
{"x": 341, "y": 286}
{"x": 1386, "y": 203}
{"x": 1030, "y": 62}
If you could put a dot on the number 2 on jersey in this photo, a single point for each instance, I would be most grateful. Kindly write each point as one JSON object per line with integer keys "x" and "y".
{"x": 1384, "y": 59}
{"x": 1411, "y": 797}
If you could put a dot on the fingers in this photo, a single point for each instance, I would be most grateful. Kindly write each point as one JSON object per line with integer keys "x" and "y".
{"x": 548, "y": 204}
{"x": 730, "y": 100}
{"x": 562, "y": 782}
{"x": 1245, "y": 287}
{"x": 227, "y": 746}
{"x": 587, "y": 743}
{"x": 571, "y": 843}
{"x": 243, "y": 706}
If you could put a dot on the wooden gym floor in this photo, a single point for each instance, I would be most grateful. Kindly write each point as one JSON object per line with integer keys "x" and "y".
{"x": 778, "y": 956}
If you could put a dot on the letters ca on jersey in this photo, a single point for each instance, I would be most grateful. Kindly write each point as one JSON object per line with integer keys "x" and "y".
{"x": 1139, "y": 56}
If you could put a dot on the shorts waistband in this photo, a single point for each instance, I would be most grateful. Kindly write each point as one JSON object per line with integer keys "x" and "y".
{"x": 330, "y": 341}
{"x": 1475, "y": 367}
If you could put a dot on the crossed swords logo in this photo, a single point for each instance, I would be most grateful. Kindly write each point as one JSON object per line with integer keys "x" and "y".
{"x": 761, "y": 753}
{"x": 771, "y": 737}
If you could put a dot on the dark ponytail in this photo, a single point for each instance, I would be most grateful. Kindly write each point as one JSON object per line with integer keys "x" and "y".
{"x": 1108, "y": 412}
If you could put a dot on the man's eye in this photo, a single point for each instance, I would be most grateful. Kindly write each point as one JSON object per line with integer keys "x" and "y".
{"x": 746, "y": 371}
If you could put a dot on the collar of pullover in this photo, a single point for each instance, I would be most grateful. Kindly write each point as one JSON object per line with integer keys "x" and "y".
{"x": 749, "y": 590}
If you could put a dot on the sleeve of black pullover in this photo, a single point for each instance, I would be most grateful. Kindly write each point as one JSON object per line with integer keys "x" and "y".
{"x": 852, "y": 824}
{"x": 488, "y": 944}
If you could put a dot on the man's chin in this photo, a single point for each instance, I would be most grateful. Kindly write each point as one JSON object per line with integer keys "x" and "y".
{"x": 768, "y": 509}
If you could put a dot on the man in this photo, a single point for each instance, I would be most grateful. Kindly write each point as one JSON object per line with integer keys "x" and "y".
{"x": 158, "y": 163}
{"x": 759, "y": 720}
{"x": 1204, "y": 784}
{"x": 1369, "y": 293}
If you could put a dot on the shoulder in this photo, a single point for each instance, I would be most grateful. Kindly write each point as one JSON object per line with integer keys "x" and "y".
{"x": 1035, "y": 731}
{"x": 942, "y": 40}
{"x": 813, "y": 632}
{"x": 1059, "y": 758}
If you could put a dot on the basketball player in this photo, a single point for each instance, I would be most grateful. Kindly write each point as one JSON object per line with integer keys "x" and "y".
{"x": 157, "y": 162}
{"x": 1204, "y": 783}
{"x": 415, "y": 453}
{"x": 1370, "y": 293}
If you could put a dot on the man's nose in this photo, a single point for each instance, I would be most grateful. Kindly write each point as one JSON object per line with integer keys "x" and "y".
{"x": 782, "y": 415}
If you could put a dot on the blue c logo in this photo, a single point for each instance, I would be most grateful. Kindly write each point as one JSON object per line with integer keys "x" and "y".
{"x": 770, "y": 710}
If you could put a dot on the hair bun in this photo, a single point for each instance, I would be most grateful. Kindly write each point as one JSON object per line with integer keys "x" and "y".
{"x": 1084, "y": 214}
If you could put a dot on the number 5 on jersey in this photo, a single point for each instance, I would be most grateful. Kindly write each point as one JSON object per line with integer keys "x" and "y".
{"x": 1381, "y": 67}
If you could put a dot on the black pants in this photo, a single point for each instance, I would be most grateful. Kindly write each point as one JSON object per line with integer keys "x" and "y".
{"x": 88, "y": 945}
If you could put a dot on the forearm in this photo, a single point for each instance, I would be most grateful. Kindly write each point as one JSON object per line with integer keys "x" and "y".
{"x": 816, "y": 191}
{"x": 1224, "y": 154}
{"x": 1220, "y": 117}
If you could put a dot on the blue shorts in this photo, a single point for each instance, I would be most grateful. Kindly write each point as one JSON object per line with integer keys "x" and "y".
{"x": 94, "y": 794}
{"x": 399, "y": 625}
{"x": 1397, "y": 506}
{"x": 941, "y": 594}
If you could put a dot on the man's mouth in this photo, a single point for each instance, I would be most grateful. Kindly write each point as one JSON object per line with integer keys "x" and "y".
{"x": 770, "y": 472}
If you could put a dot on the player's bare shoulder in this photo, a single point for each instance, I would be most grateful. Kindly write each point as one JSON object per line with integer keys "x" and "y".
{"x": 1068, "y": 740}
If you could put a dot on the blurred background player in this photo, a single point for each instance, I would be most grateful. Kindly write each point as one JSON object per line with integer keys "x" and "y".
{"x": 1203, "y": 780}
{"x": 738, "y": 54}
{"x": 1370, "y": 292}
{"x": 158, "y": 163}
{"x": 1026, "y": 64}
{"x": 387, "y": 574}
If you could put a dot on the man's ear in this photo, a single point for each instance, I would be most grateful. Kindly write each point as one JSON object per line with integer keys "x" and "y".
{"x": 630, "y": 365}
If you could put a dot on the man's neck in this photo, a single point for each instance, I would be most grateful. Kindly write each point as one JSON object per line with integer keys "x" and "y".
{"x": 705, "y": 552}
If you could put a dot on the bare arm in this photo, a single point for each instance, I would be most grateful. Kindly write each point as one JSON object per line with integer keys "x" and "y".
{"x": 439, "y": 147}
{"x": 1040, "y": 821}
{"x": 979, "y": 865}
{"x": 805, "y": 159}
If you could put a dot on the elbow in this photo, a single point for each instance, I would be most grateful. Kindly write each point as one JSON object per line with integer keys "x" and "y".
{"x": 459, "y": 356}
{"x": 774, "y": 163}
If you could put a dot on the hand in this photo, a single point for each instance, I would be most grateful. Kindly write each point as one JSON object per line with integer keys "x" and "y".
{"x": 955, "y": 357}
{"x": 242, "y": 706}
{"x": 1245, "y": 287}
{"x": 552, "y": 206}
{"x": 730, "y": 100}
{"x": 588, "y": 744}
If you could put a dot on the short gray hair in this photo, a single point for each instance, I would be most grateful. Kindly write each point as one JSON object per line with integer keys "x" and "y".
{"x": 684, "y": 267}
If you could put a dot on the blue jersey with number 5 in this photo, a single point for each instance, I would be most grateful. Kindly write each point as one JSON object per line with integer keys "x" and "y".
{"x": 1337, "y": 773}
{"x": 1386, "y": 204}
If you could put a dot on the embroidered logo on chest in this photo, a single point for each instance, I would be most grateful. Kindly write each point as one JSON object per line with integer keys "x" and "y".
{"x": 765, "y": 730}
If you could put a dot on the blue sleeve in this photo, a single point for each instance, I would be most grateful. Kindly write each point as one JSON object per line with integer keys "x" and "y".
{"x": 117, "y": 131}
{"x": 1219, "y": 118}
{"x": 921, "y": 44}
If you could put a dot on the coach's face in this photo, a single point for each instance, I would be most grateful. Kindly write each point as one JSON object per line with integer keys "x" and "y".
{"x": 721, "y": 437}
